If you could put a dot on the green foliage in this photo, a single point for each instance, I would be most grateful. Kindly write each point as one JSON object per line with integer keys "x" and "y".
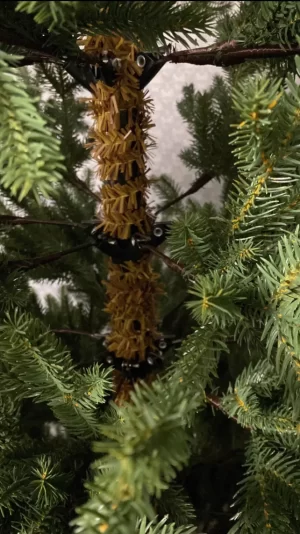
{"x": 209, "y": 116}
{"x": 240, "y": 351}
{"x": 269, "y": 491}
{"x": 194, "y": 238}
{"x": 167, "y": 190}
{"x": 50, "y": 403}
{"x": 11, "y": 489}
{"x": 66, "y": 113}
{"x": 14, "y": 292}
{"x": 266, "y": 150}
{"x": 36, "y": 366}
{"x": 162, "y": 528}
{"x": 261, "y": 23}
{"x": 279, "y": 282}
{"x": 175, "y": 504}
{"x": 249, "y": 289}
{"x": 30, "y": 158}
{"x": 94, "y": 382}
{"x": 143, "y": 454}
{"x": 23, "y": 346}
{"x": 51, "y": 14}
{"x": 189, "y": 241}
{"x": 81, "y": 274}
{"x": 247, "y": 402}
{"x": 264, "y": 22}
{"x": 31, "y": 483}
{"x": 149, "y": 23}
{"x": 217, "y": 299}
{"x": 62, "y": 313}
{"x": 46, "y": 477}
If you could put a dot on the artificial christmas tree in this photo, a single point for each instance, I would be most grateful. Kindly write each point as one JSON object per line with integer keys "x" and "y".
{"x": 187, "y": 410}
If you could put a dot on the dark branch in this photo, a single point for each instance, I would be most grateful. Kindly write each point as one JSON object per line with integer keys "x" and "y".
{"x": 177, "y": 267}
{"x": 169, "y": 317}
{"x": 230, "y": 53}
{"x": 82, "y": 185}
{"x": 40, "y": 51}
{"x": 216, "y": 402}
{"x": 78, "y": 332}
{"x": 196, "y": 185}
{"x": 80, "y": 74}
{"x": 31, "y": 60}
{"x": 11, "y": 220}
{"x": 223, "y": 54}
{"x": 12, "y": 38}
{"x": 98, "y": 336}
{"x": 31, "y": 263}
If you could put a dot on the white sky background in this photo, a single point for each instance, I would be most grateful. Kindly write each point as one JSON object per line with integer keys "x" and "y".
{"x": 170, "y": 132}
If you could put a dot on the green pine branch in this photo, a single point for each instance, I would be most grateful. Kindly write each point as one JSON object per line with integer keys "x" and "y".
{"x": 51, "y": 14}
{"x": 30, "y": 157}
{"x": 269, "y": 490}
{"x": 209, "y": 116}
{"x": 148, "y": 24}
{"x": 167, "y": 191}
{"x": 130, "y": 473}
{"x": 193, "y": 238}
{"x": 162, "y": 527}
{"x": 38, "y": 367}
{"x": 175, "y": 504}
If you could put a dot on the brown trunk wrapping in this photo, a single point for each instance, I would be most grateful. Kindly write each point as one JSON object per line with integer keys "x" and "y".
{"x": 119, "y": 150}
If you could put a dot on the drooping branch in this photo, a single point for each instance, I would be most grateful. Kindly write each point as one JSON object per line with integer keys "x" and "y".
{"x": 170, "y": 317}
{"x": 32, "y": 59}
{"x": 215, "y": 401}
{"x": 80, "y": 184}
{"x": 30, "y": 263}
{"x": 98, "y": 337}
{"x": 39, "y": 51}
{"x": 177, "y": 267}
{"x": 37, "y": 47}
{"x": 231, "y": 53}
{"x": 12, "y": 220}
{"x": 196, "y": 185}
{"x": 78, "y": 332}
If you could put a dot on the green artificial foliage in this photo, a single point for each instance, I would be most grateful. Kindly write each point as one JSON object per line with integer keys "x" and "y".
{"x": 212, "y": 443}
{"x": 163, "y": 528}
{"x": 152, "y": 23}
{"x": 209, "y": 116}
{"x": 27, "y": 148}
{"x": 175, "y": 504}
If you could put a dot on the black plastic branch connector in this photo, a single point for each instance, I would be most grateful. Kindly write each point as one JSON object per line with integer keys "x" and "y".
{"x": 132, "y": 249}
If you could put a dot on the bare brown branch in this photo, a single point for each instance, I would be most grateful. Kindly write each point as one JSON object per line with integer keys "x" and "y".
{"x": 80, "y": 184}
{"x": 177, "y": 267}
{"x": 78, "y": 332}
{"x": 30, "y": 263}
{"x": 231, "y": 53}
{"x": 216, "y": 403}
{"x": 12, "y": 220}
{"x": 196, "y": 185}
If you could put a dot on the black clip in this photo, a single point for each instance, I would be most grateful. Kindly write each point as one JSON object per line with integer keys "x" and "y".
{"x": 132, "y": 249}
{"x": 151, "y": 64}
{"x": 104, "y": 72}
{"x": 107, "y": 68}
{"x": 135, "y": 369}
